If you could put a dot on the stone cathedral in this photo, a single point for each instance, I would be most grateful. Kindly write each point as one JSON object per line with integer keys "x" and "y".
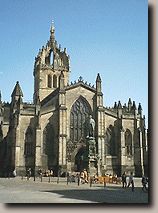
{"x": 53, "y": 131}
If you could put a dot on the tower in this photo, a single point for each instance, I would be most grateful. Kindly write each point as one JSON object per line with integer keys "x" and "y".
{"x": 49, "y": 64}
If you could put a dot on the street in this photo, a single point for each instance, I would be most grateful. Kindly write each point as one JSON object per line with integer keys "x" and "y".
{"x": 17, "y": 190}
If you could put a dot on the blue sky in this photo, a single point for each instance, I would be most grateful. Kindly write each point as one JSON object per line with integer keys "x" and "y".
{"x": 105, "y": 36}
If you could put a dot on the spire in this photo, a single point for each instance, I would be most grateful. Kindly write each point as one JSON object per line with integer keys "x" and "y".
{"x": 17, "y": 90}
{"x": 52, "y": 29}
{"x": 52, "y": 36}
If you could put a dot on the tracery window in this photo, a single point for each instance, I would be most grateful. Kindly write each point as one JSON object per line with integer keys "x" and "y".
{"x": 128, "y": 142}
{"x": 80, "y": 111}
{"x": 28, "y": 151}
{"x": 110, "y": 141}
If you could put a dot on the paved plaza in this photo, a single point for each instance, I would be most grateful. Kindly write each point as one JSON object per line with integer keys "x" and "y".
{"x": 18, "y": 190}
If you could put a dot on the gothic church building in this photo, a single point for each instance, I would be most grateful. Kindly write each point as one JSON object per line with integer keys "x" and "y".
{"x": 50, "y": 132}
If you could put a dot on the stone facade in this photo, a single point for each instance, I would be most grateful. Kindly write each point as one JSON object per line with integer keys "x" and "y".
{"x": 51, "y": 131}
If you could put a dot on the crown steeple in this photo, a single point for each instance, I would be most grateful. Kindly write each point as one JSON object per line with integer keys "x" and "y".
{"x": 50, "y": 62}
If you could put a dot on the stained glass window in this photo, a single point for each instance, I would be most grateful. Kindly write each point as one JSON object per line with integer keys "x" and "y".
{"x": 80, "y": 111}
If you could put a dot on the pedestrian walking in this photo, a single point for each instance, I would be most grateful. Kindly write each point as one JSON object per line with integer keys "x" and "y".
{"x": 124, "y": 181}
{"x": 144, "y": 184}
{"x": 14, "y": 173}
{"x": 131, "y": 181}
{"x": 28, "y": 173}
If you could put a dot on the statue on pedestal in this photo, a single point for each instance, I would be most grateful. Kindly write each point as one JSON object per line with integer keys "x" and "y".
{"x": 90, "y": 127}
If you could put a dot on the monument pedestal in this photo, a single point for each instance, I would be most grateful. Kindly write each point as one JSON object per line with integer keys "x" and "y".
{"x": 92, "y": 160}
{"x": 92, "y": 167}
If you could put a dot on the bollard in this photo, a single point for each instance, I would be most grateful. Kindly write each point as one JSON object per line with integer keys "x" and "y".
{"x": 78, "y": 180}
{"x": 90, "y": 182}
{"x": 58, "y": 179}
{"x": 104, "y": 183}
{"x": 67, "y": 179}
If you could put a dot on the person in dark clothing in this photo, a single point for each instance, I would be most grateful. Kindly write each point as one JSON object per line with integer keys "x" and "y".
{"x": 124, "y": 182}
{"x": 131, "y": 181}
{"x": 144, "y": 183}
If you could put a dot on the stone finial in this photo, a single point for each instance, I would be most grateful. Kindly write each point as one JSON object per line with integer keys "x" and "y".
{"x": 80, "y": 79}
{"x": 115, "y": 105}
{"x": 98, "y": 83}
{"x": 140, "y": 109}
{"x": 119, "y": 105}
{"x": 129, "y": 104}
{"x": 139, "y": 106}
{"x": 134, "y": 106}
{"x": 129, "y": 101}
{"x": 98, "y": 78}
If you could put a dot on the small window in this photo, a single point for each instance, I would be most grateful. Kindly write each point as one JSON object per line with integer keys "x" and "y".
{"x": 49, "y": 81}
{"x": 55, "y": 81}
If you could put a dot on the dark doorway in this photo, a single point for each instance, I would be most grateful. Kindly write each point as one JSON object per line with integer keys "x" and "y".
{"x": 81, "y": 161}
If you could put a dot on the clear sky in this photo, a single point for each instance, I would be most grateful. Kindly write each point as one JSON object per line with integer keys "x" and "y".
{"x": 105, "y": 36}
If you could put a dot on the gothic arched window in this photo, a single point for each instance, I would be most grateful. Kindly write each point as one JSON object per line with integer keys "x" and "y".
{"x": 110, "y": 141}
{"x": 54, "y": 81}
{"x": 128, "y": 142}
{"x": 48, "y": 138}
{"x": 80, "y": 111}
{"x": 29, "y": 142}
{"x": 51, "y": 57}
{"x": 49, "y": 81}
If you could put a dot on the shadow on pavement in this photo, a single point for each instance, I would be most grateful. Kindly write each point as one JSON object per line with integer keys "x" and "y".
{"x": 107, "y": 195}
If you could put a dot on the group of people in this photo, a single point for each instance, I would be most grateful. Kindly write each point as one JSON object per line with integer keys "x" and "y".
{"x": 84, "y": 176}
{"x": 131, "y": 181}
{"x": 46, "y": 173}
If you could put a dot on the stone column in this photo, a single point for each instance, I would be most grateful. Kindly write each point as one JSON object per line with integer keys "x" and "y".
{"x": 62, "y": 128}
{"x": 123, "y": 151}
{"x": 17, "y": 147}
{"x": 38, "y": 160}
{"x": 141, "y": 151}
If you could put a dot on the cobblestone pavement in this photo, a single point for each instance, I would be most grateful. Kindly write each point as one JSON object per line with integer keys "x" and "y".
{"x": 17, "y": 190}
